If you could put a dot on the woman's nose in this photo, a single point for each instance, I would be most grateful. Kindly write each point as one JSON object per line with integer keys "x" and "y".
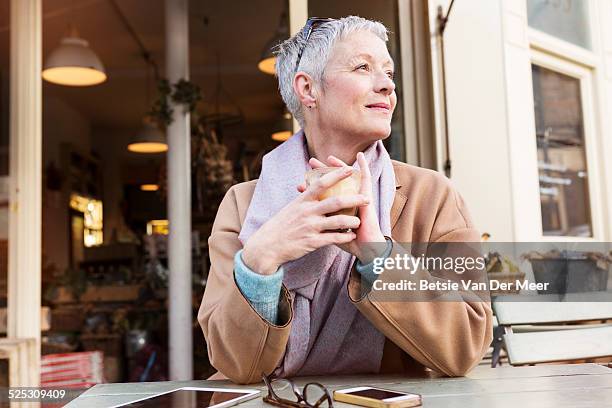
{"x": 384, "y": 84}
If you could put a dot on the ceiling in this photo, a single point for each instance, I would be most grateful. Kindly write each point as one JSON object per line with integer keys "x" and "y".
{"x": 219, "y": 32}
{"x": 226, "y": 38}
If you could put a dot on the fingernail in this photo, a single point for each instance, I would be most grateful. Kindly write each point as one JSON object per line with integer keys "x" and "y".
{"x": 347, "y": 170}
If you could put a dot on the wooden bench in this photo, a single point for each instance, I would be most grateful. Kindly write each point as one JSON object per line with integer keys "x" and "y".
{"x": 551, "y": 328}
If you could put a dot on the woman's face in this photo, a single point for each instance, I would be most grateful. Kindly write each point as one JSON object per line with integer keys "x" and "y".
{"x": 358, "y": 95}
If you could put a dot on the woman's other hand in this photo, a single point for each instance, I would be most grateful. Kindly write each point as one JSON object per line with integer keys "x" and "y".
{"x": 369, "y": 229}
{"x": 302, "y": 226}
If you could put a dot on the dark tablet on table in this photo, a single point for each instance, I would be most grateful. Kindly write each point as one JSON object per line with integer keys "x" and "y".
{"x": 194, "y": 397}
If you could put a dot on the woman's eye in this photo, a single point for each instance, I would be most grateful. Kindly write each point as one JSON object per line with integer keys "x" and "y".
{"x": 391, "y": 74}
{"x": 363, "y": 66}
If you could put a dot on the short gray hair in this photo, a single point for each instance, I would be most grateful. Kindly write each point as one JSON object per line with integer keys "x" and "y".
{"x": 316, "y": 54}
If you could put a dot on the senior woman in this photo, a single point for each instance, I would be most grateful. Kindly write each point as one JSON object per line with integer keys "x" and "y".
{"x": 284, "y": 294}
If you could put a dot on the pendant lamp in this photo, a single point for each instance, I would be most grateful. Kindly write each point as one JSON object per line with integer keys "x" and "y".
{"x": 150, "y": 139}
{"x": 73, "y": 63}
{"x": 149, "y": 187}
{"x": 267, "y": 62}
{"x": 283, "y": 128}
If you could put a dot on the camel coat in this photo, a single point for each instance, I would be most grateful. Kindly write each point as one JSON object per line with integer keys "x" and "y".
{"x": 447, "y": 337}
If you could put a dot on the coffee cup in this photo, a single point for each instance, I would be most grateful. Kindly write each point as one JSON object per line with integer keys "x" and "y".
{"x": 347, "y": 186}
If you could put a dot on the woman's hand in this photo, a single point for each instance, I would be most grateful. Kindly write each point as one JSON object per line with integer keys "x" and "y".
{"x": 369, "y": 230}
{"x": 302, "y": 227}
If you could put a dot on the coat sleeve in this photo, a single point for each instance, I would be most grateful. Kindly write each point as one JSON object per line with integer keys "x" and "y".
{"x": 241, "y": 344}
{"x": 448, "y": 336}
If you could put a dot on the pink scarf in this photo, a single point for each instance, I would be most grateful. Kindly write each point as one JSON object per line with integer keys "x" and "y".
{"x": 328, "y": 334}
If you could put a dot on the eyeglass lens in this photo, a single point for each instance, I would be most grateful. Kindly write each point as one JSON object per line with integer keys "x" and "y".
{"x": 283, "y": 389}
{"x": 316, "y": 396}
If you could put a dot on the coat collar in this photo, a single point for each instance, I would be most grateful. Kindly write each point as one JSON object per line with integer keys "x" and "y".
{"x": 398, "y": 183}
{"x": 398, "y": 202}
{"x": 398, "y": 205}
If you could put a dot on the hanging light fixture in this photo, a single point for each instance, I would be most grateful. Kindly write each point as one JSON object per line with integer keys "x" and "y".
{"x": 149, "y": 187}
{"x": 73, "y": 63}
{"x": 284, "y": 128}
{"x": 150, "y": 139}
{"x": 267, "y": 62}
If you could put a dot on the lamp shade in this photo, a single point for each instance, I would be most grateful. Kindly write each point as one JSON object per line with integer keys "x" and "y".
{"x": 283, "y": 128}
{"x": 73, "y": 63}
{"x": 149, "y": 187}
{"x": 150, "y": 139}
{"x": 267, "y": 62}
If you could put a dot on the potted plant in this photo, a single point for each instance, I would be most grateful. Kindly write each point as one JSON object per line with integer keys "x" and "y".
{"x": 503, "y": 270}
{"x": 570, "y": 271}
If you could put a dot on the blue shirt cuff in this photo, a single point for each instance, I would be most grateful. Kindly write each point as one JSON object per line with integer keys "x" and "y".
{"x": 367, "y": 271}
{"x": 262, "y": 291}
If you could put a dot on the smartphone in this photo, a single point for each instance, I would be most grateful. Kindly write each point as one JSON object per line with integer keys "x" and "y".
{"x": 377, "y": 397}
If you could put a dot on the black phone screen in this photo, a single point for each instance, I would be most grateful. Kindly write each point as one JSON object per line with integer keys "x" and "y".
{"x": 377, "y": 393}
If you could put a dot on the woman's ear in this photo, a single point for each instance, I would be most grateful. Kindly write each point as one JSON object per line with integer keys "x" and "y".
{"x": 303, "y": 86}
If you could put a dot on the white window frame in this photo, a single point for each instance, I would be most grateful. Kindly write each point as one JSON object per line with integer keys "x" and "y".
{"x": 585, "y": 76}
{"x": 569, "y": 59}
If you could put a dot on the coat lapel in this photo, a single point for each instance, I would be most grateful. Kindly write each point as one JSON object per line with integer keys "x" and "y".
{"x": 398, "y": 202}
{"x": 396, "y": 209}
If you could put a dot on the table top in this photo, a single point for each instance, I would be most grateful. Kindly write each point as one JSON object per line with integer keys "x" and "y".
{"x": 564, "y": 385}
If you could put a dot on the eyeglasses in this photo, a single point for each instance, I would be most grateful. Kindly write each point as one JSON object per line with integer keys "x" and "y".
{"x": 311, "y": 24}
{"x": 284, "y": 393}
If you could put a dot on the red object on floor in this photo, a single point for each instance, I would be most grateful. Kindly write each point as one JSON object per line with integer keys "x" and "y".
{"x": 72, "y": 370}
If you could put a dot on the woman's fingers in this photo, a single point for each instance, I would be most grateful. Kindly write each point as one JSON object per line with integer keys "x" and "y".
{"x": 331, "y": 238}
{"x": 337, "y": 203}
{"x": 366, "y": 177}
{"x": 326, "y": 181}
{"x": 334, "y": 161}
{"x": 315, "y": 163}
{"x": 339, "y": 222}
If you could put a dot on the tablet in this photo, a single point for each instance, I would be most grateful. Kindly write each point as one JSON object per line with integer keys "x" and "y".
{"x": 194, "y": 397}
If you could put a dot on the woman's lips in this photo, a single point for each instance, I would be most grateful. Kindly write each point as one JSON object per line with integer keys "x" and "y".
{"x": 381, "y": 107}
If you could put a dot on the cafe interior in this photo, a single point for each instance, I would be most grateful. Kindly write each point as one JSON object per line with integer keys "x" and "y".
{"x": 105, "y": 185}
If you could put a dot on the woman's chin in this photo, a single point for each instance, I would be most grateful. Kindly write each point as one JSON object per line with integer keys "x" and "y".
{"x": 380, "y": 132}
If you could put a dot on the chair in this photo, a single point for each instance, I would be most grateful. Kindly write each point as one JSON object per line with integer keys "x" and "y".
{"x": 544, "y": 328}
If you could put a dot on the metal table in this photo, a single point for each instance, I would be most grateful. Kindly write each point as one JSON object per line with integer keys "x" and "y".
{"x": 577, "y": 385}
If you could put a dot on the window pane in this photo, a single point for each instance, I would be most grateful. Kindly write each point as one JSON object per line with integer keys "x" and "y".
{"x": 386, "y": 12}
{"x": 564, "y": 19}
{"x": 564, "y": 192}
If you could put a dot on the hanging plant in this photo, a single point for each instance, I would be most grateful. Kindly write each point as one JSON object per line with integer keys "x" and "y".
{"x": 211, "y": 170}
{"x": 161, "y": 111}
{"x": 187, "y": 93}
{"x": 183, "y": 92}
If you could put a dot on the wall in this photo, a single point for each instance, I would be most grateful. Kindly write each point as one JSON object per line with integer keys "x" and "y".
{"x": 107, "y": 143}
{"x": 62, "y": 123}
{"x": 104, "y": 144}
{"x": 521, "y": 123}
{"x": 491, "y": 114}
{"x": 121, "y": 168}
{"x": 477, "y": 121}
